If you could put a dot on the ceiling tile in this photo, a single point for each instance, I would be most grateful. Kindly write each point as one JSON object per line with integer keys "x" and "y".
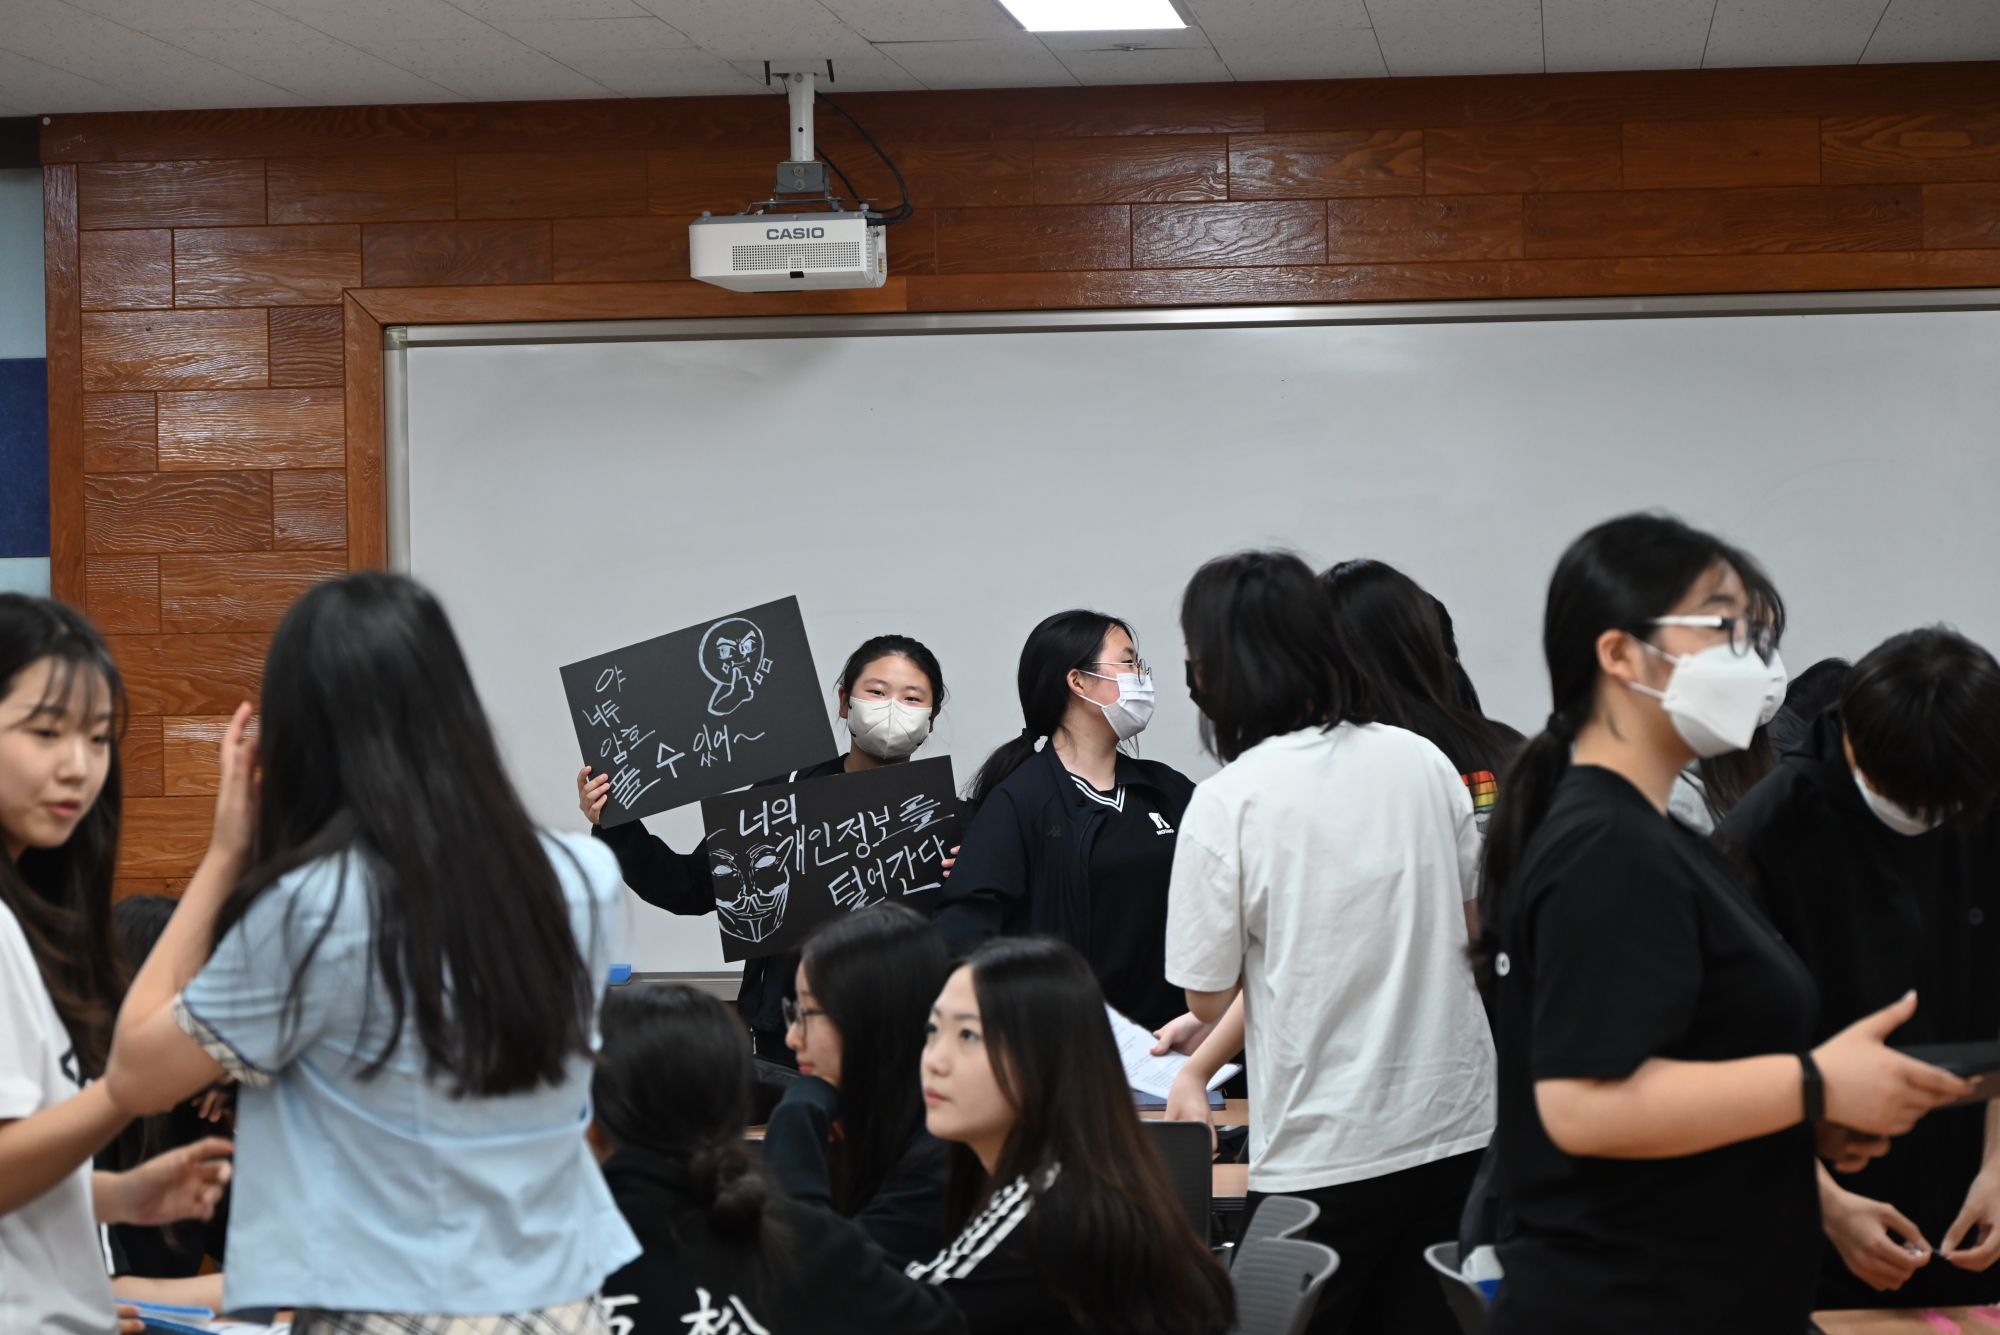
{"x": 1015, "y": 60}
{"x": 31, "y": 88}
{"x": 375, "y": 24}
{"x": 682, "y": 72}
{"x": 1154, "y": 64}
{"x": 310, "y": 64}
{"x": 1323, "y": 53}
{"x": 574, "y": 40}
{"x": 1625, "y": 34}
{"x": 925, "y": 20}
{"x": 1459, "y": 36}
{"x": 528, "y": 11}
{"x": 866, "y": 71}
{"x": 1269, "y": 20}
{"x": 1790, "y": 32}
{"x": 761, "y": 30}
{"x": 493, "y": 68}
{"x": 138, "y": 65}
{"x": 1916, "y": 30}
{"x": 170, "y": 15}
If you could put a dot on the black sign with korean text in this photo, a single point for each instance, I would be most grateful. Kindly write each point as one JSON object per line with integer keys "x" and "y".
{"x": 700, "y": 711}
{"x": 787, "y": 857}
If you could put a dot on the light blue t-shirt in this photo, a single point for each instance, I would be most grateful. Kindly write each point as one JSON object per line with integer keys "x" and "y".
{"x": 387, "y": 1194}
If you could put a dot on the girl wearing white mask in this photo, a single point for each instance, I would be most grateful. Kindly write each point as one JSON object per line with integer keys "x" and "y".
{"x": 1074, "y": 837}
{"x": 889, "y": 693}
{"x": 1661, "y": 1091}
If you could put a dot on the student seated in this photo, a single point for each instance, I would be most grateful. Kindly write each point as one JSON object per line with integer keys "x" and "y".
{"x": 849, "y": 1134}
{"x": 1876, "y": 852}
{"x": 1064, "y": 1216}
{"x": 722, "y": 1254}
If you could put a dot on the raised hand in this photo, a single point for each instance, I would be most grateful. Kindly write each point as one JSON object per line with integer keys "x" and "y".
{"x": 591, "y": 794}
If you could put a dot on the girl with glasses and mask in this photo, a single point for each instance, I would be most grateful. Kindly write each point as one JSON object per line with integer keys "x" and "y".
{"x": 1072, "y": 837}
{"x": 890, "y": 693}
{"x": 1661, "y": 1095}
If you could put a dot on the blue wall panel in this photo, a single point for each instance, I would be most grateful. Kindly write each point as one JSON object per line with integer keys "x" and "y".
{"x": 24, "y": 457}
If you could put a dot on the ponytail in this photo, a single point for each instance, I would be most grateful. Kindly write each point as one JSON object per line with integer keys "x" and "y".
{"x": 1530, "y": 785}
{"x": 1059, "y": 645}
{"x": 734, "y": 1194}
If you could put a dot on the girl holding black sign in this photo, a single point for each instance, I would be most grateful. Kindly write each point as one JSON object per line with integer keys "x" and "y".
{"x": 890, "y": 692}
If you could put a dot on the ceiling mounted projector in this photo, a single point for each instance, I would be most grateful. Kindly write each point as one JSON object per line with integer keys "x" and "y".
{"x": 825, "y": 246}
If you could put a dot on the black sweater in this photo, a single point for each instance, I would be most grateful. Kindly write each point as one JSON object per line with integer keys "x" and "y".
{"x": 681, "y": 883}
{"x": 996, "y": 1283}
{"x": 813, "y": 1272}
{"x": 905, "y": 1216}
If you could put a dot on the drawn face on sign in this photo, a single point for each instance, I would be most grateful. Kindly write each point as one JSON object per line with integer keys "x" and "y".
{"x": 732, "y": 656}
{"x": 751, "y": 890}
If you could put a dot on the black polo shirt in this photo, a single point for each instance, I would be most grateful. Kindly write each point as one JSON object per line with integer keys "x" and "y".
{"x": 1628, "y": 937}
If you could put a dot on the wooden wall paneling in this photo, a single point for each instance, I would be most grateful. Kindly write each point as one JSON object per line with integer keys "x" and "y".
{"x": 1433, "y": 227}
{"x": 1845, "y": 217}
{"x": 1130, "y": 170}
{"x": 1926, "y": 147}
{"x": 551, "y": 185}
{"x": 601, "y": 301}
{"x": 1075, "y": 113}
{"x": 164, "y": 837}
{"x": 237, "y": 591}
{"x": 944, "y": 174}
{"x": 621, "y": 250}
{"x": 62, "y": 290}
{"x": 1519, "y": 159}
{"x": 1623, "y": 222}
{"x": 189, "y": 674}
{"x": 120, "y": 433}
{"x": 1667, "y": 154}
{"x": 265, "y": 266}
{"x": 425, "y": 254}
{"x": 722, "y": 178}
{"x": 913, "y": 244}
{"x": 128, "y": 887}
{"x": 122, "y": 594}
{"x": 228, "y": 193}
{"x": 355, "y": 188}
{"x": 1026, "y": 240}
{"x": 177, "y": 512}
{"x": 305, "y": 345}
{"x": 367, "y": 502}
{"x": 1174, "y": 236}
{"x": 133, "y": 350}
{"x": 252, "y": 428}
{"x": 1961, "y": 216}
{"x": 129, "y": 270}
{"x": 1695, "y": 222}
{"x": 191, "y": 754}
{"x": 140, "y": 767}
{"x": 309, "y": 510}
{"x": 1321, "y": 164}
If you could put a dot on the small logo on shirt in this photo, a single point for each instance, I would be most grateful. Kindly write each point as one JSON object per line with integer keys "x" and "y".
{"x": 1160, "y": 825}
{"x": 1502, "y": 965}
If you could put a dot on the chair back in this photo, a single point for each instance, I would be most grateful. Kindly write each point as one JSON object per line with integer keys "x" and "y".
{"x": 1277, "y": 1283}
{"x": 1466, "y": 1300}
{"x": 1184, "y": 1148}
{"x": 1279, "y": 1217}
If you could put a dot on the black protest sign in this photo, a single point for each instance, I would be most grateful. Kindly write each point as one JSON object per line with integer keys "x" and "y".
{"x": 700, "y": 711}
{"x": 786, "y": 857}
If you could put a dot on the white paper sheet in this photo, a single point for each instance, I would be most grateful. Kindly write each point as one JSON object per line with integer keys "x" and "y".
{"x": 1145, "y": 1072}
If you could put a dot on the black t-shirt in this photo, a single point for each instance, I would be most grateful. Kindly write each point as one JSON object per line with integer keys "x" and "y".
{"x": 1628, "y": 937}
{"x": 1131, "y": 861}
{"x": 1874, "y": 913}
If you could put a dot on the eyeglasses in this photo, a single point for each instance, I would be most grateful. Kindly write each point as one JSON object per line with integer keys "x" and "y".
{"x": 1138, "y": 665}
{"x": 1744, "y": 637}
{"x": 796, "y": 1014}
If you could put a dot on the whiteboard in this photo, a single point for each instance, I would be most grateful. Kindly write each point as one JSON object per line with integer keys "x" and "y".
{"x": 564, "y": 498}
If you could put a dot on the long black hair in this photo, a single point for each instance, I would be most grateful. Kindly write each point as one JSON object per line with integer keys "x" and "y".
{"x": 875, "y": 973}
{"x": 1618, "y": 576}
{"x": 62, "y": 896}
{"x": 673, "y": 1079}
{"x": 373, "y": 744}
{"x": 1057, "y": 646}
{"x": 1260, "y": 638}
{"x": 1395, "y": 642}
{"x": 1119, "y": 1250}
{"x": 884, "y": 646}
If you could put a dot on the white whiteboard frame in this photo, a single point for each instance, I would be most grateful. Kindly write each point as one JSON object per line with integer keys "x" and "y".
{"x": 397, "y": 339}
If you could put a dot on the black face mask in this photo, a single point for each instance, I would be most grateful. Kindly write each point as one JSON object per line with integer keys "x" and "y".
{"x": 1194, "y": 691}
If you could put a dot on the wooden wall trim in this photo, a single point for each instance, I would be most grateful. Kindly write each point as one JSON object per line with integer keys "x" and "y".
{"x": 367, "y": 499}
{"x": 63, "y": 287}
{"x": 611, "y": 301}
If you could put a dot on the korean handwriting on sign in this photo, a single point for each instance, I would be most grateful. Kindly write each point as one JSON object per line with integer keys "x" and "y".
{"x": 623, "y": 747}
{"x": 715, "y": 743}
{"x": 883, "y": 858}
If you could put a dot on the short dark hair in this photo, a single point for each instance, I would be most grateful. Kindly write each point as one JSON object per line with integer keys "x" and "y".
{"x": 1922, "y": 711}
{"x": 1260, "y": 637}
{"x": 896, "y": 646}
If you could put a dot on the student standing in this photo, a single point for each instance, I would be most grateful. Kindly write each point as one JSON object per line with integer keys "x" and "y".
{"x": 1659, "y": 1092}
{"x": 1066, "y": 1222}
{"x": 61, "y": 703}
{"x": 849, "y": 1135}
{"x": 889, "y": 692}
{"x": 402, "y": 975}
{"x": 1325, "y": 874}
{"x": 1877, "y": 854}
{"x": 1076, "y": 840}
{"x": 722, "y": 1254}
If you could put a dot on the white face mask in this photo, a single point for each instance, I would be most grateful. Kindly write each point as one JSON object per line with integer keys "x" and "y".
{"x": 1133, "y": 710}
{"x": 1774, "y": 690}
{"x": 887, "y": 729}
{"x": 1715, "y": 698}
{"x": 1891, "y": 815}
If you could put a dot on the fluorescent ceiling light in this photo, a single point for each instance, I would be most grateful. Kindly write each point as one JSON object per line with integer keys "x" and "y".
{"x": 1094, "y": 15}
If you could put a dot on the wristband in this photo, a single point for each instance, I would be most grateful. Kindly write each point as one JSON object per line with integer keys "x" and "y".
{"x": 1814, "y": 1089}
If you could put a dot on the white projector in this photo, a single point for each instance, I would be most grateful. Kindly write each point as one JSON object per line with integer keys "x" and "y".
{"x": 788, "y": 252}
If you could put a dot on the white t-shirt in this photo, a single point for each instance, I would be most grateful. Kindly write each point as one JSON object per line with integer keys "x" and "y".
{"x": 1329, "y": 872}
{"x": 51, "y": 1268}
